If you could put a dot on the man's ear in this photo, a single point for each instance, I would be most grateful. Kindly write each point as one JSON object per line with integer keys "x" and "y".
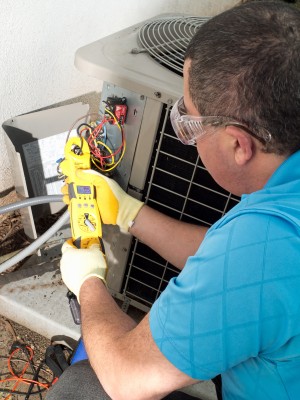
{"x": 242, "y": 144}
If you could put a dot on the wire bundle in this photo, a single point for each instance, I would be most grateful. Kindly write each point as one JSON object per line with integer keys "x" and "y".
{"x": 97, "y": 134}
{"x": 19, "y": 377}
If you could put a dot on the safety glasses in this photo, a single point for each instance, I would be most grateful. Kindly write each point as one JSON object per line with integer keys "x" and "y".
{"x": 189, "y": 128}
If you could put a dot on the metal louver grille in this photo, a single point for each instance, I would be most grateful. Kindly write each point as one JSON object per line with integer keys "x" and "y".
{"x": 178, "y": 185}
{"x": 166, "y": 39}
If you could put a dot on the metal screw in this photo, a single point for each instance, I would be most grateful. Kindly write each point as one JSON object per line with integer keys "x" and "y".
{"x": 157, "y": 94}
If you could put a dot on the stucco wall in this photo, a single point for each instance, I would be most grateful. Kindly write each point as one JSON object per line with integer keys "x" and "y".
{"x": 38, "y": 40}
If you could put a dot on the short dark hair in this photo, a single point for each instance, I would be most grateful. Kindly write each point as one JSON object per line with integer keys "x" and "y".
{"x": 245, "y": 64}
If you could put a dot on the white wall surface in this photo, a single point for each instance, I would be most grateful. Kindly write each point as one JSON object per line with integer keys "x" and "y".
{"x": 38, "y": 40}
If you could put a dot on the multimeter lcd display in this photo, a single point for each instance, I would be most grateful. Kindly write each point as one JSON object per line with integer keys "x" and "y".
{"x": 83, "y": 189}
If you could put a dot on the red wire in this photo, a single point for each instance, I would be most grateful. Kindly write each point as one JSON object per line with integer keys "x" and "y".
{"x": 95, "y": 150}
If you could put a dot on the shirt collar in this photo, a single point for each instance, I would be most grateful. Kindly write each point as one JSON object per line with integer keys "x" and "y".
{"x": 289, "y": 170}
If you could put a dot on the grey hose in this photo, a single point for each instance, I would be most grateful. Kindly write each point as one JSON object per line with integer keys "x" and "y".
{"x": 40, "y": 240}
{"x": 30, "y": 202}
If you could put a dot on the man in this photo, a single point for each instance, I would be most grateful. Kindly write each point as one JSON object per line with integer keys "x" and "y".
{"x": 235, "y": 307}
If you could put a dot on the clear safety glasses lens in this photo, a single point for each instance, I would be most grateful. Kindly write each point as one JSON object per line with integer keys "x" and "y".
{"x": 188, "y": 128}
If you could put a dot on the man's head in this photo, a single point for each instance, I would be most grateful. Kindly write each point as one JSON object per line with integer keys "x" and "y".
{"x": 245, "y": 65}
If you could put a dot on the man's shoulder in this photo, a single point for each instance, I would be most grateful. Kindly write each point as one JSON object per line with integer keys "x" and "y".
{"x": 260, "y": 208}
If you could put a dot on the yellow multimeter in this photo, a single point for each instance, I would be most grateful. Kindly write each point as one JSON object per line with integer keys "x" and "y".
{"x": 84, "y": 212}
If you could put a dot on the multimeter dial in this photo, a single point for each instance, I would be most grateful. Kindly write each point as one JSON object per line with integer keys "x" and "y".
{"x": 87, "y": 222}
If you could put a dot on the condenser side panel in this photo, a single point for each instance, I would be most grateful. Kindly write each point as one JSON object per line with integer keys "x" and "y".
{"x": 145, "y": 144}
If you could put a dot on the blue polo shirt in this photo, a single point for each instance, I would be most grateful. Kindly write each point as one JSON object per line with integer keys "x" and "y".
{"x": 235, "y": 307}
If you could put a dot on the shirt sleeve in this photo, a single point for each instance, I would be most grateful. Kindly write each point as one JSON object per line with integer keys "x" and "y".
{"x": 225, "y": 306}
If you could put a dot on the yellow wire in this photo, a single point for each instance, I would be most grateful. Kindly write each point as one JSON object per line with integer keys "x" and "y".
{"x": 96, "y": 161}
{"x": 85, "y": 129}
{"x": 119, "y": 160}
{"x": 98, "y": 142}
{"x": 97, "y": 166}
{"x": 114, "y": 117}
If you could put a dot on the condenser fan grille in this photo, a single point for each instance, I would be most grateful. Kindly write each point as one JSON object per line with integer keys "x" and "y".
{"x": 166, "y": 39}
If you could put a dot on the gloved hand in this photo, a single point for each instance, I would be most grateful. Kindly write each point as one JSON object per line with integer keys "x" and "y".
{"x": 77, "y": 265}
{"x": 116, "y": 206}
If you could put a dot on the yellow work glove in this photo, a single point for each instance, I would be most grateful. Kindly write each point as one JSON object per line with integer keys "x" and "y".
{"x": 116, "y": 206}
{"x": 77, "y": 265}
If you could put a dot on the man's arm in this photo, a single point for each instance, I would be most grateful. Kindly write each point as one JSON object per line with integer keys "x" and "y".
{"x": 174, "y": 240}
{"x": 122, "y": 353}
